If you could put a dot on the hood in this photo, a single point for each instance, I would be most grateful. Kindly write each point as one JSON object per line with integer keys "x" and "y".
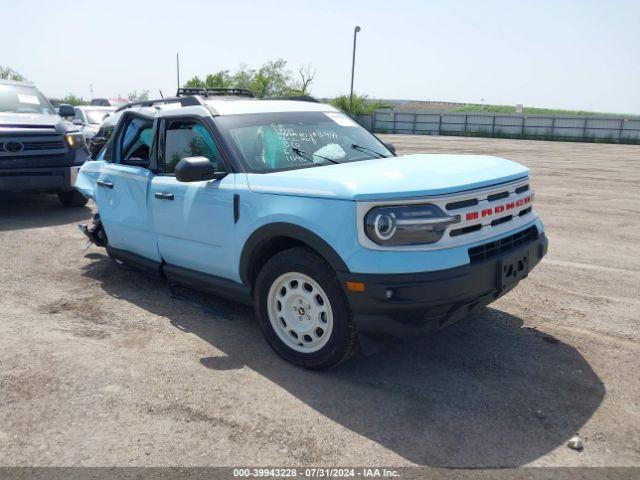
{"x": 395, "y": 177}
{"x": 28, "y": 119}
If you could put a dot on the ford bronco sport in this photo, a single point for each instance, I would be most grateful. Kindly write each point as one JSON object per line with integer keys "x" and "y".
{"x": 38, "y": 149}
{"x": 293, "y": 207}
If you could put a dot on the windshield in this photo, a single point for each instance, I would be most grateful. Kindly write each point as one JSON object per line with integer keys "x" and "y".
{"x": 96, "y": 117}
{"x": 279, "y": 141}
{"x": 23, "y": 99}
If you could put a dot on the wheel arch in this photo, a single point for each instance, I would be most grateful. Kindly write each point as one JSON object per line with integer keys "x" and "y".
{"x": 270, "y": 239}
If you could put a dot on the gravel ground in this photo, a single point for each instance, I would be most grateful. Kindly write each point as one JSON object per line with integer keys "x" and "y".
{"x": 99, "y": 365}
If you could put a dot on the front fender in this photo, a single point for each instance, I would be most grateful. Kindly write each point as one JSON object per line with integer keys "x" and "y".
{"x": 264, "y": 234}
{"x": 326, "y": 225}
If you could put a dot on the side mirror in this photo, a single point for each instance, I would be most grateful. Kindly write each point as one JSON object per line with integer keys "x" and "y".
{"x": 196, "y": 169}
{"x": 77, "y": 121}
{"x": 66, "y": 110}
{"x": 391, "y": 147}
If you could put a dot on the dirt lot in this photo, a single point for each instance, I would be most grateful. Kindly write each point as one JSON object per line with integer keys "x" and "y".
{"x": 100, "y": 366}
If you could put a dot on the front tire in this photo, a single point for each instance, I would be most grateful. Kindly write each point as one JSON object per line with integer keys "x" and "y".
{"x": 302, "y": 310}
{"x": 72, "y": 198}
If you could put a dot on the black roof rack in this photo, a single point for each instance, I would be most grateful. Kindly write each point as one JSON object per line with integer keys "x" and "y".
{"x": 210, "y": 92}
{"x": 299, "y": 98}
{"x": 184, "y": 101}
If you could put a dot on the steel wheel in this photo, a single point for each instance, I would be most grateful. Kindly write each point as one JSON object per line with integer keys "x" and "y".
{"x": 300, "y": 312}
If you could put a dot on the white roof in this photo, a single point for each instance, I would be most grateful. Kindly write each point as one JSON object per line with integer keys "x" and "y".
{"x": 230, "y": 107}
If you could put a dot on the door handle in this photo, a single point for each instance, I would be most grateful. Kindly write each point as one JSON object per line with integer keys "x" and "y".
{"x": 163, "y": 196}
{"x": 104, "y": 184}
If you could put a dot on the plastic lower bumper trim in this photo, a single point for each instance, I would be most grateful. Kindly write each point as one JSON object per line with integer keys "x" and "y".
{"x": 395, "y": 306}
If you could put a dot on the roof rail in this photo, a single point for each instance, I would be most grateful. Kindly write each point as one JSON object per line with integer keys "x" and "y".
{"x": 217, "y": 91}
{"x": 184, "y": 101}
{"x": 299, "y": 98}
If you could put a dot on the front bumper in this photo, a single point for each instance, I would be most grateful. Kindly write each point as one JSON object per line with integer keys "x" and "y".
{"x": 394, "y": 306}
{"x": 41, "y": 179}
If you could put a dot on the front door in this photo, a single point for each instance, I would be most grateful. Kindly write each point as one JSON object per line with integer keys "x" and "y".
{"x": 194, "y": 221}
{"x": 122, "y": 190}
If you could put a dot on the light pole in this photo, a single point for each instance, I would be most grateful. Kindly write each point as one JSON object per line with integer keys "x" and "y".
{"x": 353, "y": 67}
{"x": 178, "y": 68}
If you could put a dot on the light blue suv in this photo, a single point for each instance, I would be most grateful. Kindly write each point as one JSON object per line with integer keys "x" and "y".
{"x": 293, "y": 207}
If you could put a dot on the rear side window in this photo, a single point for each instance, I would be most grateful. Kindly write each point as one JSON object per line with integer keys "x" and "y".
{"x": 186, "y": 138}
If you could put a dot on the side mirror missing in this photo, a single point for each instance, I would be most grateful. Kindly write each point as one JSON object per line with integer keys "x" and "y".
{"x": 66, "y": 110}
{"x": 391, "y": 147}
{"x": 196, "y": 169}
{"x": 95, "y": 145}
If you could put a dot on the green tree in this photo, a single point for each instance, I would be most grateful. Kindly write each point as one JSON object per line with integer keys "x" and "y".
{"x": 271, "y": 79}
{"x": 194, "y": 82}
{"x": 70, "y": 99}
{"x": 7, "y": 73}
{"x": 361, "y": 104}
{"x": 138, "y": 97}
{"x": 221, "y": 79}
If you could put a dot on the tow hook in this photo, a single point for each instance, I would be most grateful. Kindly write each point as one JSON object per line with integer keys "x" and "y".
{"x": 95, "y": 232}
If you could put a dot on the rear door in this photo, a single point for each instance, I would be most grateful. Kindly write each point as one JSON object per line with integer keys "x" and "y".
{"x": 122, "y": 187}
{"x": 194, "y": 221}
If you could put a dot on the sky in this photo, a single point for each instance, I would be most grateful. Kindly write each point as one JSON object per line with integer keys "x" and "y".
{"x": 575, "y": 54}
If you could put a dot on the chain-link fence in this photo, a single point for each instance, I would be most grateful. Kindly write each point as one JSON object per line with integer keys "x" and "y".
{"x": 543, "y": 127}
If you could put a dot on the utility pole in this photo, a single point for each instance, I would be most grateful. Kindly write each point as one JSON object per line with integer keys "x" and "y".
{"x": 353, "y": 67}
{"x": 178, "y": 68}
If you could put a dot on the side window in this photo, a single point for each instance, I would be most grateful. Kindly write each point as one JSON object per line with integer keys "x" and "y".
{"x": 186, "y": 138}
{"x": 78, "y": 115}
{"x": 135, "y": 143}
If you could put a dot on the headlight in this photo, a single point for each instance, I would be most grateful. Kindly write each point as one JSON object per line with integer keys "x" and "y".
{"x": 407, "y": 224}
{"x": 75, "y": 139}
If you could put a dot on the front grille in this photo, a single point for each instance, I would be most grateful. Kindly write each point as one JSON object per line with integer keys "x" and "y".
{"x": 44, "y": 145}
{"x": 498, "y": 196}
{"x": 493, "y": 249}
{"x": 461, "y": 204}
{"x": 35, "y": 144}
{"x": 499, "y": 221}
{"x": 462, "y": 231}
{"x": 490, "y": 209}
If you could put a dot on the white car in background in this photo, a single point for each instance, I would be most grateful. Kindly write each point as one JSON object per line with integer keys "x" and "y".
{"x": 89, "y": 119}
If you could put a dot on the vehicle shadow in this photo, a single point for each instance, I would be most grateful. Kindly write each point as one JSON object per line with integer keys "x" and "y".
{"x": 486, "y": 392}
{"x": 20, "y": 211}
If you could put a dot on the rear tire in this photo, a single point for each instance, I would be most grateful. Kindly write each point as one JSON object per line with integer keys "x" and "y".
{"x": 72, "y": 198}
{"x": 302, "y": 310}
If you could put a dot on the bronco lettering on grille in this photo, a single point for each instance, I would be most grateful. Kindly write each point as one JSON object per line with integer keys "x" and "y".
{"x": 487, "y": 212}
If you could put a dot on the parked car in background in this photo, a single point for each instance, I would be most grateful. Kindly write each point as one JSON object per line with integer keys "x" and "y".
{"x": 294, "y": 207}
{"x": 108, "y": 102}
{"x": 39, "y": 150}
{"x": 89, "y": 119}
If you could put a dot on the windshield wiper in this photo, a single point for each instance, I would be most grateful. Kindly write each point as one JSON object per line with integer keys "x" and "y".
{"x": 365, "y": 149}
{"x": 301, "y": 154}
